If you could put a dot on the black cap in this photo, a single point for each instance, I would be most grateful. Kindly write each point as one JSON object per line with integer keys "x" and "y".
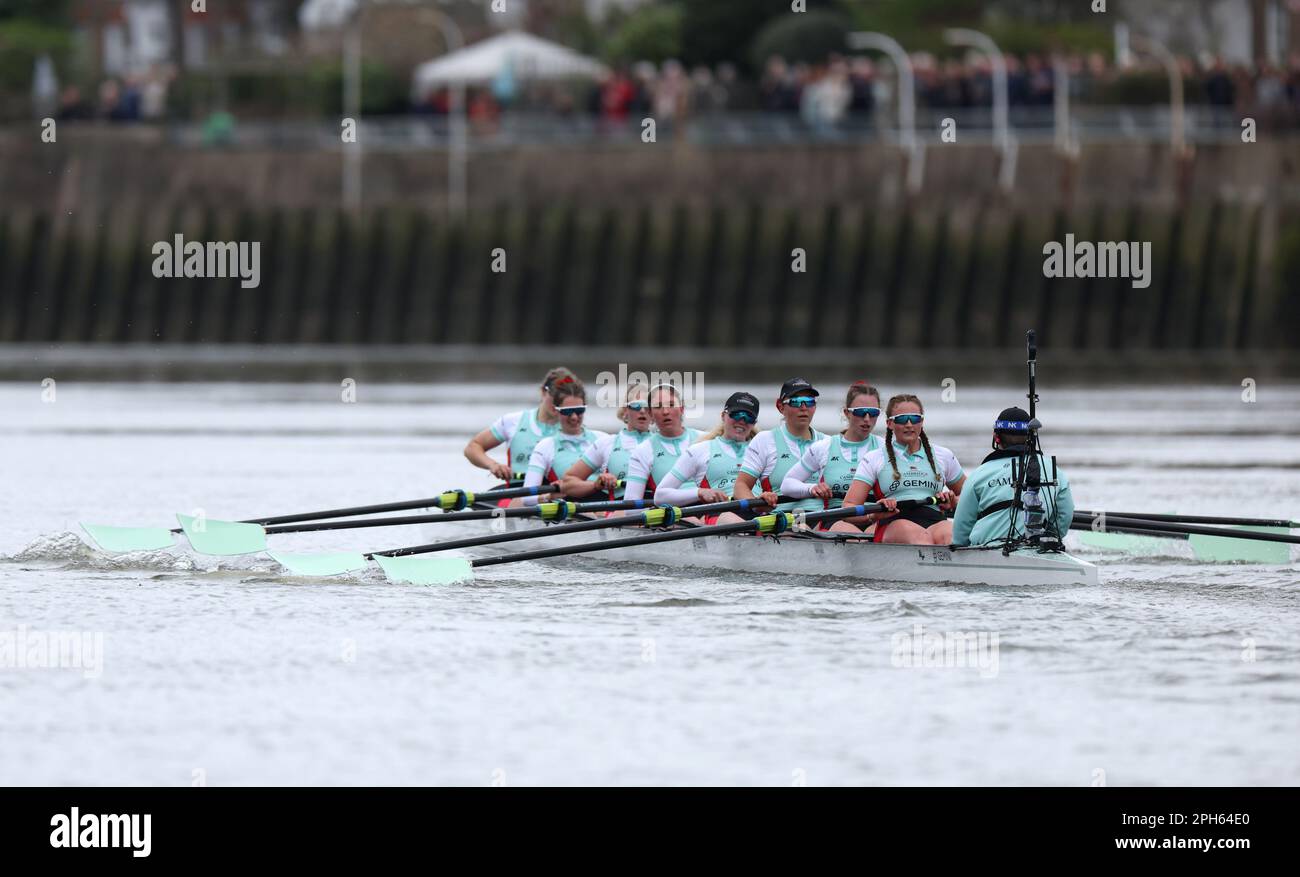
{"x": 1012, "y": 419}
{"x": 797, "y": 387}
{"x": 742, "y": 401}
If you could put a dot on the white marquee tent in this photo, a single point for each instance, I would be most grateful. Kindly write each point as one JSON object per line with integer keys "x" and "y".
{"x": 515, "y": 53}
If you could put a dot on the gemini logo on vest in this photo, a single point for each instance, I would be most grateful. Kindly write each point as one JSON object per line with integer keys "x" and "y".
{"x": 77, "y": 830}
{"x": 1102, "y": 259}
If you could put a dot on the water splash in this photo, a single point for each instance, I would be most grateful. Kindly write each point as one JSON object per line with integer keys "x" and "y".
{"x": 72, "y": 552}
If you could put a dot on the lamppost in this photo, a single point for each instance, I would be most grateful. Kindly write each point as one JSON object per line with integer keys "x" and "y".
{"x": 457, "y": 154}
{"x": 906, "y": 99}
{"x": 1067, "y": 147}
{"x": 973, "y": 39}
{"x": 1177, "y": 130}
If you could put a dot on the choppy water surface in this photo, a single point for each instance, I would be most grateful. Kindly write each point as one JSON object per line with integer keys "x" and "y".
{"x": 581, "y": 672}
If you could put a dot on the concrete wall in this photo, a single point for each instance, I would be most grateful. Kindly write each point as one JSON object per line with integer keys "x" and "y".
{"x": 90, "y": 169}
{"x": 967, "y": 276}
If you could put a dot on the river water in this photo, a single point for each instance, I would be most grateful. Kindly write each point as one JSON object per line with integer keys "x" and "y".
{"x": 194, "y": 670}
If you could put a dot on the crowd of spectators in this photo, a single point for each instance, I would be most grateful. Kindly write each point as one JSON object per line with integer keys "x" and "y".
{"x": 843, "y": 88}
{"x": 822, "y": 95}
{"x": 135, "y": 97}
{"x": 826, "y": 94}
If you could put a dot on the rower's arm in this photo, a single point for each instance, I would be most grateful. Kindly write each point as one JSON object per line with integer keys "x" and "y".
{"x": 859, "y": 493}
{"x": 670, "y": 491}
{"x": 744, "y": 486}
{"x": 575, "y": 485}
{"x": 538, "y": 465}
{"x": 477, "y": 449}
{"x": 797, "y": 482}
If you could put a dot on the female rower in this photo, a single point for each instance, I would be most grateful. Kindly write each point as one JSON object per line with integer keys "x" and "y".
{"x": 556, "y": 454}
{"x": 609, "y": 456}
{"x": 773, "y": 452}
{"x": 656, "y": 456}
{"x": 828, "y": 466}
{"x": 520, "y": 431}
{"x": 909, "y": 467}
{"x": 714, "y": 462}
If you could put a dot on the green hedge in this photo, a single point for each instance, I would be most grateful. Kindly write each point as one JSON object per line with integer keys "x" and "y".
{"x": 305, "y": 93}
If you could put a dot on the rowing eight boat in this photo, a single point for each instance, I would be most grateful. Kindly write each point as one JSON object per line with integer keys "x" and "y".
{"x": 816, "y": 555}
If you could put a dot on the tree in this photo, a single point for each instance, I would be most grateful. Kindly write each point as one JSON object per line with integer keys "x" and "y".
{"x": 714, "y": 31}
{"x": 53, "y": 12}
{"x": 651, "y": 33}
{"x": 810, "y": 37}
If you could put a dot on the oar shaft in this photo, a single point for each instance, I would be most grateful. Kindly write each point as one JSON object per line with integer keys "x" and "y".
{"x": 579, "y": 527}
{"x": 677, "y": 535}
{"x": 451, "y": 517}
{"x": 1186, "y": 519}
{"x": 1121, "y": 529}
{"x": 670, "y": 536}
{"x": 407, "y": 505}
{"x": 1193, "y": 530}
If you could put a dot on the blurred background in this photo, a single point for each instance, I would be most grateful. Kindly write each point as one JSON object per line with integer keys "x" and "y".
{"x": 648, "y": 167}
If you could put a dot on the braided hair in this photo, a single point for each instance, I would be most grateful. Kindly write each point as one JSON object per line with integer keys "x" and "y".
{"x": 894, "y": 402}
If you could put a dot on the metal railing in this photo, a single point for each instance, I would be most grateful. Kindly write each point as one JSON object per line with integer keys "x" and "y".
{"x": 1132, "y": 124}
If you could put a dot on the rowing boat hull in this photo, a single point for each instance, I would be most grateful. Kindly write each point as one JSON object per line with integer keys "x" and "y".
{"x": 817, "y": 557}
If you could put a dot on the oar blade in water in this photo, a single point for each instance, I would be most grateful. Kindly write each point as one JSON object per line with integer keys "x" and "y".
{"x": 320, "y": 564}
{"x": 121, "y": 540}
{"x": 1125, "y": 542}
{"x": 426, "y": 570}
{"x": 222, "y": 538}
{"x": 1220, "y": 549}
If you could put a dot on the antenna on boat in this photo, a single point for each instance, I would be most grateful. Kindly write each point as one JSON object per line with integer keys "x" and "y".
{"x": 1031, "y": 347}
{"x": 1040, "y": 529}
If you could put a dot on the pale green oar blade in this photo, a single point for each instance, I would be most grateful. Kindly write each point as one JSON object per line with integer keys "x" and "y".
{"x": 1126, "y": 542}
{"x": 119, "y": 540}
{"x": 1219, "y": 549}
{"x": 426, "y": 570}
{"x": 320, "y": 564}
{"x": 222, "y": 537}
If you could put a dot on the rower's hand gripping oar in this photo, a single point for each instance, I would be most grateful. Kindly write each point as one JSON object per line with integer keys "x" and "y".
{"x": 437, "y": 570}
{"x": 225, "y": 536}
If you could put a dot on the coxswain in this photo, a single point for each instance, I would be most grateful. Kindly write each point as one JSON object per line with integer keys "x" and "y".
{"x": 987, "y": 505}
